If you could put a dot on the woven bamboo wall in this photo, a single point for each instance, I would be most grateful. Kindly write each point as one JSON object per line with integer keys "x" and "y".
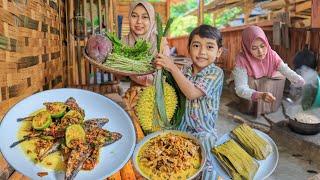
{"x": 232, "y": 44}
{"x": 31, "y": 53}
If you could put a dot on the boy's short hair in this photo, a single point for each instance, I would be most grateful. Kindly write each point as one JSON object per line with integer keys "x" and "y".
{"x": 206, "y": 31}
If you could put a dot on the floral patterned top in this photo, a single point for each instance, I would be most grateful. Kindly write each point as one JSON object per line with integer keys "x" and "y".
{"x": 201, "y": 114}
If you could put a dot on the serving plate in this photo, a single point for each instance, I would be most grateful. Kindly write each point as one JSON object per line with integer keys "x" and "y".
{"x": 112, "y": 157}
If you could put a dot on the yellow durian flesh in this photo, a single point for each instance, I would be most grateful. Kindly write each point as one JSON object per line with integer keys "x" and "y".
{"x": 146, "y": 105}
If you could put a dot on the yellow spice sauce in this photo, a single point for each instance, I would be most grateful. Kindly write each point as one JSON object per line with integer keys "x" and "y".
{"x": 182, "y": 174}
{"x": 53, "y": 162}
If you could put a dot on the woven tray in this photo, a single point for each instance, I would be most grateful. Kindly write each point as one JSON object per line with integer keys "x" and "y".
{"x": 112, "y": 70}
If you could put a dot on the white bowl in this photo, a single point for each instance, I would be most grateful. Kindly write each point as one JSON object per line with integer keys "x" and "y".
{"x": 161, "y": 133}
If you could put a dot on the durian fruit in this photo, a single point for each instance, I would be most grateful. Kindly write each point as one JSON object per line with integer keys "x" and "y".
{"x": 252, "y": 142}
{"x": 236, "y": 161}
{"x": 146, "y": 105}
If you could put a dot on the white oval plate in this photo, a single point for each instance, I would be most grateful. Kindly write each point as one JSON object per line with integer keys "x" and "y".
{"x": 266, "y": 167}
{"x": 112, "y": 157}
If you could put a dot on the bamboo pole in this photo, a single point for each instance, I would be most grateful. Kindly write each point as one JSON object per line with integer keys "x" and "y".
{"x": 69, "y": 70}
{"x": 87, "y": 64}
{"x": 72, "y": 44}
{"x": 77, "y": 34}
{"x": 60, "y": 42}
{"x": 115, "y": 15}
{"x": 106, "y": 23}
{"x": 200, "y": 12}
{"x": 93, "y": 69}
{"x": 100, "y": 16}
{"x": 100, "y": 31}
{"x": 111, "y": 15}
{"x": 168, "y": 4}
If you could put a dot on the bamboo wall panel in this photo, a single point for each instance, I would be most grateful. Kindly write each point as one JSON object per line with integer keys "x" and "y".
{"x": 81, "y": 74}
{"x": 32, "y": 54}
{"x": 232, "y": 45}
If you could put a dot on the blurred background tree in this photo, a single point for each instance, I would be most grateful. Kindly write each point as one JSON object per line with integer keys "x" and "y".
{"x": 183, "y": 25}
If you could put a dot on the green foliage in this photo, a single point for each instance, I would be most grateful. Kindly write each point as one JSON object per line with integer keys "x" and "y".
{"x": 226, "y": 16}
{"x": 182, "y": 8}
{"x": 139, "y": 52}
{"x": 183, "y": 25}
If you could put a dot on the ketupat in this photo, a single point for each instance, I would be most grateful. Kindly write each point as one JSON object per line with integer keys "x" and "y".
{"x": 237, "y": 162}
{"x": 252, "y": 142}
{"x": 146, "y": 103}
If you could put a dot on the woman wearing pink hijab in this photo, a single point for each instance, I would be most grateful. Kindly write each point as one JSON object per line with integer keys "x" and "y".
{"x": 258, "y": 74}
{"x": 142, "y": 25}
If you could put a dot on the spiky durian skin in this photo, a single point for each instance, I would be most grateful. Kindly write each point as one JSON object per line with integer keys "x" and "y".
{"x": 146, "y": 104}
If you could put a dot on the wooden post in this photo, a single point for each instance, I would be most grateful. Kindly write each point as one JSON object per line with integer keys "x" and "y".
{"x": 93, "y": 69}
{"x": 106, "y": 15}
{"x": 168, "y": 8}
{"x": 200, "y": 11}
{"x": 87, "y": 64}
{"x": 77, "y": 33}
{"x": 100, "y": 31}
{"x": 111, "y": 16}
{"x": 315, "y": 17}
{"x": 247, "y": 10}
{"x": 115, "y": 15}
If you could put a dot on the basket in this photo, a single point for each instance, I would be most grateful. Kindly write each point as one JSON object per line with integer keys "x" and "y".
{"x": 112, "y": 70}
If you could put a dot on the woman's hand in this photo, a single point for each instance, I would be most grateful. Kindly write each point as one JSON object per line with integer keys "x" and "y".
{"x": 266, "y": 96}
{"x": 166, "y": 62}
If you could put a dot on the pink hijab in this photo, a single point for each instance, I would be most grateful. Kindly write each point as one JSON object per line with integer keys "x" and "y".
{"x": 257, "y": 68}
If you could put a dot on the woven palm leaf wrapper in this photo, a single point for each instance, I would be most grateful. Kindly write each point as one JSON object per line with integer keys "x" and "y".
{"x": 236, "y": 161}
{"x": 256, "y": 146}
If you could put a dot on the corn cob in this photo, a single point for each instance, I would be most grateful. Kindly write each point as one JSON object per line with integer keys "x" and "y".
{"x": 237, "y": 162}
{"x": 252, "y": 142}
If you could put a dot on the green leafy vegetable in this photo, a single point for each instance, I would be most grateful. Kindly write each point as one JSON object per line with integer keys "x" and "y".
{"x": 124, "y": 57}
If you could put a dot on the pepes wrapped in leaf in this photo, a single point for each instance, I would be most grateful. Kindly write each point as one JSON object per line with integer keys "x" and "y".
{"x": 236, "y": 161}
{"x": 256, "y": 146}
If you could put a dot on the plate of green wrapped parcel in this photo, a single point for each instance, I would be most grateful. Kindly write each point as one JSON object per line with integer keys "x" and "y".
{"x": 245, "y": 153}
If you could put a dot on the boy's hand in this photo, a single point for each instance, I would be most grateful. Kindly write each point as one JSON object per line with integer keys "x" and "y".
{"x": 166, "y": 62}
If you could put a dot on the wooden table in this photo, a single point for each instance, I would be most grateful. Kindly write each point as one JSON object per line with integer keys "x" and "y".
{"x": 126, "y": 173}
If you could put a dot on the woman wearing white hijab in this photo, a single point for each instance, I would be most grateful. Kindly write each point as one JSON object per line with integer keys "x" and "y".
{"x": 142, "y": 26}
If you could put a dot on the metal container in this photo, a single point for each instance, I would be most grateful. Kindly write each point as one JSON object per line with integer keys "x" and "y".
{"x": 304, "y": 128}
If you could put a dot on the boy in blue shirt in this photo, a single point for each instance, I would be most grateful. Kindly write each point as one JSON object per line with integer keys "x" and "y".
{"x": 202, "y": 84}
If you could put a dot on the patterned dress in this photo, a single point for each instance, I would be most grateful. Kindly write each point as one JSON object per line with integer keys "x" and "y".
{"x": 201, "y": 114}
